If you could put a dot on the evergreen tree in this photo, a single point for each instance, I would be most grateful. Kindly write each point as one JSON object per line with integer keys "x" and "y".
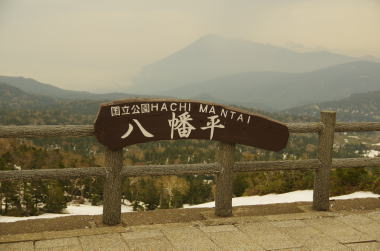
{"x": 55, "y": 200}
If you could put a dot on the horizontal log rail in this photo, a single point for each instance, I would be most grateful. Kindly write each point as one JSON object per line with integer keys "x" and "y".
{"x": 222, "y": 169}
{"x": 312, "y": 127}
{"x": 88, "y": 130}
{"x": 255, "y": 166}
{"x": 357, "y": 127}
{"x": 46, "y": 131}
{"x": 185, "y": 169}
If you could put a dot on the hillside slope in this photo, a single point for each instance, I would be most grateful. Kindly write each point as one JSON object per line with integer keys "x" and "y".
{"x": 32, "y": 86}
{"x": 357, "y": 107}
{"x": 20, "y": 108}
{"x": 13, "y": 98}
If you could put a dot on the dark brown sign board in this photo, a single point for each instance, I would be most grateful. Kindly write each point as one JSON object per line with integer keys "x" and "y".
{"x": 127, "y": 122}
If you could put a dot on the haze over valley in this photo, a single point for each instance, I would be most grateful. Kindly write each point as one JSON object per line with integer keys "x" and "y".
{"x": 237, "y": 72}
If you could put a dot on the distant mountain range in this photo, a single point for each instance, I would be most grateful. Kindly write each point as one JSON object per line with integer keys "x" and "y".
{"x": 232, "y": 72}
{"x": 268, "y": 91}
{"x": 32, "y": 86}
{"x": 280, "y": 90}
{"x": 18, "y": 107}
{"x": 13, "y": 98}
{"x": 212, "y": 57}
{"x": 357, "y": 107}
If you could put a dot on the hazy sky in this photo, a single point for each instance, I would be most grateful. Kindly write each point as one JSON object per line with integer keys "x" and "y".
{"x": 99, "y": 44}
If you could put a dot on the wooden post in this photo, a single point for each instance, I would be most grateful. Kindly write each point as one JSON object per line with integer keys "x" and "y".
{"x": 112, "y": 187}
{"x": 322, "y": 175}
{"x": 223, "y": 194}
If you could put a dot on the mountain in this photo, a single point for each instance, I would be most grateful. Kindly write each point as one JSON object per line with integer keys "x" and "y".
{"x": 357, "y": 107}
{"x": 280, "y": 90}
{"x": 32, "y": 86}
{"x": 212, "y": 57}
{"x": 20, "y": 108}
{"x": 14, "y": 98}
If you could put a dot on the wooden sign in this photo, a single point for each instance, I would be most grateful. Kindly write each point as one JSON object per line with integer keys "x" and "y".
{"x": 132, "y": 121}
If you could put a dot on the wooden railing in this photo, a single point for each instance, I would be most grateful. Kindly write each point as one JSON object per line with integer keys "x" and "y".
{"x": 223, "y": 169}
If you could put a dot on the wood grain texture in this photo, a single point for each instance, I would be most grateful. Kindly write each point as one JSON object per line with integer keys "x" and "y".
{"x": 46, "y": 131}
{"x": 255, "y": 166}
{"x": 130, "y": 171}
{"x": 357, "y": 126}
{"x": 112, "y": 187}
{"x": 164, "y": 170}
{"x": 185, "y": 169}
{"x": 356, "y": 162}
{"x": 88, "y": 130}
{"x": 312, "y": 127}
{"x": 321, "y": 192}
{"x": 64, "y": 173}
{"x": 223, "y": 194}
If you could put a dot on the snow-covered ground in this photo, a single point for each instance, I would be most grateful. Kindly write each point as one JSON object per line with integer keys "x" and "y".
{"x": 78, "y": 209}
{"x": 296, "y": 196}
{"x": 371, "y": 153}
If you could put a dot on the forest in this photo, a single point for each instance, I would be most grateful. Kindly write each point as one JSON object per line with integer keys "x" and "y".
{"x": 148, "y": 193}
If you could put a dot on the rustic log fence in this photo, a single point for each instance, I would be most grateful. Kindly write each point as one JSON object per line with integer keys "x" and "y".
{"x": 223, "y": 169}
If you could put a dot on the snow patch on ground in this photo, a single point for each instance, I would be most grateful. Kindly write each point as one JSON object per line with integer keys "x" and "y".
{"x": 92, "y": 210}
{"x": 296, "y": 196}
{"x": 356, "y": 195}
{"x": 75, "y": 209}
{"x": 354, "y": 137}
{"x": 371, "y": 153}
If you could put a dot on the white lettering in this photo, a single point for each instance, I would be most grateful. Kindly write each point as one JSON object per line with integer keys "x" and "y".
{"x": 164, "y": 107}
{"x": 224, "y": 113}
{"x": 125, "y": 110}
{"x": 212, "y": 124}
{"x": 154, "y": 107}
{"x": 172, "y": 108}
{"x": 182, "y": 105}
{"x": 115, "y": 111}
{"x": 240, "y": 118}
{"x": 181, "y": 124}
{"x": 232, "y": 114}
{"x": 142, "y": 129}
{"x": 212, "y": 110}
{"x": 145, "y": 108}
{"x": 201, "y": 109}
{"x": 135, "y": 109}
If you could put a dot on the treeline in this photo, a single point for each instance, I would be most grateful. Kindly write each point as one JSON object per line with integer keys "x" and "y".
{"x": 36, "y": 197}
{"x": 32, "y": 198}
{"x": 146, "y": 193}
